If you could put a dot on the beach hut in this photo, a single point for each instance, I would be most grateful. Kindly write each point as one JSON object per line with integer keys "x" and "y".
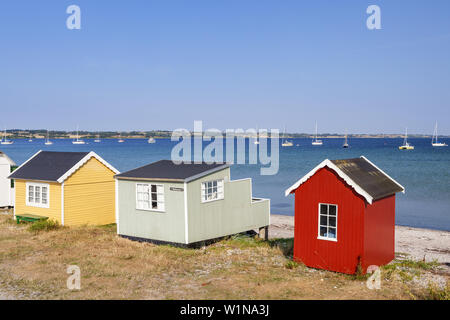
{"x": 6, "y": 191}
{"x": 186, "y": 204}
{"x": 345, "y": 216}
{"x": 74, "y": 188}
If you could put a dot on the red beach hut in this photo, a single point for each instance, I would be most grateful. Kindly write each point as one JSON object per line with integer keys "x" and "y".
{"x": 345, "y": 216}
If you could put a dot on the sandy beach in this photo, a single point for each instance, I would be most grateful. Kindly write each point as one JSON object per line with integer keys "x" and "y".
{"x": 417, "y": 243}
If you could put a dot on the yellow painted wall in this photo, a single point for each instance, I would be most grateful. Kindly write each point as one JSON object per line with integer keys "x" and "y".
{"x": 89, "y": 195}
{"x": 54, "y": 210}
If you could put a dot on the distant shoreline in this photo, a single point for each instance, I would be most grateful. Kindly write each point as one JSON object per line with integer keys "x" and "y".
{"x": 39, "y": 134}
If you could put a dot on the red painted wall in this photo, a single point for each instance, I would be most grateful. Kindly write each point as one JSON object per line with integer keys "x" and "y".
{"x": 341, "y": 256}
{"x": 379, "y": 232}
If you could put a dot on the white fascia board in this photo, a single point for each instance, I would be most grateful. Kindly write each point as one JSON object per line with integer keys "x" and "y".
{"x": 206, "y": 173}
{"x": 346, "y": 178}
{"x": 82, "y": 162}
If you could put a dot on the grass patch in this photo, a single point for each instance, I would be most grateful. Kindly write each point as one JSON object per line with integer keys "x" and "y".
{"x": 238, "y": 268}
{"x": 44, "y": 225}
{"x": 286, "y": 246}
{"x": 291, "y": 265}
{"x": 245, "y": 241}
{"x": 412, "y": 264}
{"x": 436, "y": 293}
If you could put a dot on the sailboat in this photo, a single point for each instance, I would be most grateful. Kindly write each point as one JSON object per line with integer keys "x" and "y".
{"x": 256, "y": 138}
{"x": 47, "y": 141}
{"x": 30, "y": 139}
{"x": 6, "y": 141}
{"x": 78, "y": 140}
{"x": 434, "y": 141}
{"x": 346, "y": 145}
{"x": 120, "y": 139}
{"x": 286, "y": 143}
{"x": 406, "y": 145}
{"x": 317, "y": 142}
{"x": 151, "y": 140}
{"x": 98, "y": 139}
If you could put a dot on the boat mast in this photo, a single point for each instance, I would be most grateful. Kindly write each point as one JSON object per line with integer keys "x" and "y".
{"x": 435, "y": 134}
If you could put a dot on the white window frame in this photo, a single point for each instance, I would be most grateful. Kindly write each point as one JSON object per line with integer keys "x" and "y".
{"x": 163, "y": 201}
{"x": 220, "y": 194}
{"x": 37, "y": 204}
{"x": 328, "y": 215}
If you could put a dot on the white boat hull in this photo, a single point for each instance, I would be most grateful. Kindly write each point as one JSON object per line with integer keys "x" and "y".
{"x": 439, "y": 144}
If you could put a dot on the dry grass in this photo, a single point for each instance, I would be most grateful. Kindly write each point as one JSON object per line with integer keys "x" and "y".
{"x": 33, "y": 266}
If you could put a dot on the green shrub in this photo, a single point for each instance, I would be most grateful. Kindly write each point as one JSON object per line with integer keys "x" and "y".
{"x": 291, "y": 265}
{"x": 44, "y": 225}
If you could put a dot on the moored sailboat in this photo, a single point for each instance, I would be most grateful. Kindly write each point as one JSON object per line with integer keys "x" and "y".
{"x": 286, "y": 143}
{"x": 5, "y": 140}
{"x": 47, "y": 140}
{"x": 78, "y": 140}
{"x": 406, "y": 145}
{"x": 316, "y": 141}
{"x": 346, "y": 145}
{"x": 434, "y": 141}
{"x": 120, "y": 138}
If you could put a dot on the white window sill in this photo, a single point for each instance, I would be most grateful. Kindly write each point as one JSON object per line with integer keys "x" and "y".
{"x": 151, "y": 210}
{"x": 207, "y": 201}
{"x": 38, "y": 205}
{"x": 327, "y": 239}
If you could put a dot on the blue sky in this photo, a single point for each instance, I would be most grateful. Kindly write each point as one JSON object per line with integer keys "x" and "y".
{"x": 142, "y": 65}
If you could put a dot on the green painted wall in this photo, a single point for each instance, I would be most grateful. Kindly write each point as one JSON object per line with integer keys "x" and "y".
{"x": 163, "y": 226}
{"x": 235, "y": 213}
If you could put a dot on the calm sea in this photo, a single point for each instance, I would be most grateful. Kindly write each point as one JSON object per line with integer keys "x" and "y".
{"x": 424, "y": 172}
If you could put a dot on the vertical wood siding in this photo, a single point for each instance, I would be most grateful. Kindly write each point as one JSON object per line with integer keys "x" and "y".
{"x": 54, "y": 210}
{"x": 233, "y": 214}
{"x": 341, "y": 256}
{"x": 379, "y": 232}
{"x": 162, "y": 226}
{"x": 89, "y": 195}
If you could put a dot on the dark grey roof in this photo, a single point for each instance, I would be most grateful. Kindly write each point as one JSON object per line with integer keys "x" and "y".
{"x": 167, "y": 170}
{"x": 371, "y": 179}
{"x": 48, "y": 166}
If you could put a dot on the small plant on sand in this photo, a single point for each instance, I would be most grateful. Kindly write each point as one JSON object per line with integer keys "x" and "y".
{"x": 291, "y": 265}
{"x": 44, "y": 225}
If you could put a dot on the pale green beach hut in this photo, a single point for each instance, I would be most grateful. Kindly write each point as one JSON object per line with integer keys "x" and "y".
{"x": 186, "y": 204}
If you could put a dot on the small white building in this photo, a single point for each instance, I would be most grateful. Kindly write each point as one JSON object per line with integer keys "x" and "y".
{"x": 6, "y": 191}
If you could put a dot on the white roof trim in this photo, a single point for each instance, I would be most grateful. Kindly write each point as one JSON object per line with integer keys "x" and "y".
{"x": 207, "y": 173}
{"x": 82, "y": 162}
{"x": 331, "y": 165}
{"x": 25, "y": 163}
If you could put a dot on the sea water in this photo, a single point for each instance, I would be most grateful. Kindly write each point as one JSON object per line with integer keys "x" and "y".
{"x": 424, "y": 172}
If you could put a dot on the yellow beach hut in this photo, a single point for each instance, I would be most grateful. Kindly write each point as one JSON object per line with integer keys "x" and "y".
{"x": 74, "y": 188}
